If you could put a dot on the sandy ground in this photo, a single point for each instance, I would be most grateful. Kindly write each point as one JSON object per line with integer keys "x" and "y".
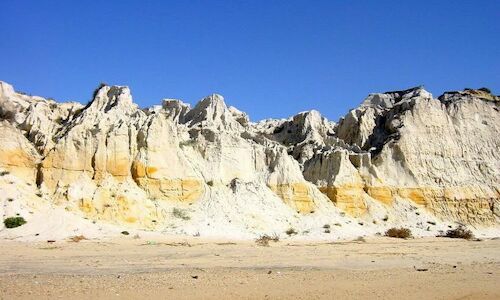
{"x": 131, "y": 268}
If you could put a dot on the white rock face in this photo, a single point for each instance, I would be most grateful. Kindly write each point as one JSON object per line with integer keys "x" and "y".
{"x": 441, "y": 153}
{"x": 401, "y": 158}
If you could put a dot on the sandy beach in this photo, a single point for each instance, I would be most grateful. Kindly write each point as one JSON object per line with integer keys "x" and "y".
{"x": 133, "y": 268}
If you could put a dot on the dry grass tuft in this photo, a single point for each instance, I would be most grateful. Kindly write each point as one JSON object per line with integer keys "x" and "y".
{"x": 77, "y": 238}
{"x": 360, "y": 239}
{"x": 400, "y": 233}
{"x": 461, "y": 232}
{"x": 265, "y": 239}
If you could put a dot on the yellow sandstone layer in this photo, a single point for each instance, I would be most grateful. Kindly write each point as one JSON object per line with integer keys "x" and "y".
{"x": 348, "y": 198}
{"x": 117, "y": 166}
{"x": 468, "y": 204}
{"x": 19, "y": 163}
{"x": 184, "y": 190}
{"x": 383, "y": 194}
{"x": 176, "y": 189}
{"x": 296, "y": 195}
{"x": 119, "y": 209}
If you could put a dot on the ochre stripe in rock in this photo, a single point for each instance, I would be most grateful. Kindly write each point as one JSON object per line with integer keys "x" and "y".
{"x": 348, "y": 198}
{"x": 468, "y": 204}
{"x": 296, "y": 195}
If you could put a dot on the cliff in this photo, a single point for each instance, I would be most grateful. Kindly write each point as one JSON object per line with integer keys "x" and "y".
{"x": 401, "y": 158}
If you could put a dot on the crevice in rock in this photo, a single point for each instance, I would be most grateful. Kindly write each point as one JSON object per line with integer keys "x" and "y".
{"x": 39, "y": 175}
{"x": 92, "y": 164}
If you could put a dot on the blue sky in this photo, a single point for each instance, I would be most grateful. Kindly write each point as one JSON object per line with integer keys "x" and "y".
{"x": 268, "y": 58}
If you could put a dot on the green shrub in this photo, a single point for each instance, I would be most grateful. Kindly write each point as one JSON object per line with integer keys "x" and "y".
{"x": 13, "y": 222}
{"x": 59, "y": 120}
{"x": 180, "y": 213}
{"x": 291, "y": 231}
{"x": 187, "y": 143}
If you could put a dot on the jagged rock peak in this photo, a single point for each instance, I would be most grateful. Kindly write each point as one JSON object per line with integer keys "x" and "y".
{"x": 304, "y": 125}
{"x": 212, "y": 111}
{"x": 381, "y": 111}
{"x": 6, "y": 89}
{"x": 389, "y": 99}
{"x": 175, "y": 109}
{"x": 312, "y": 121}
{"x": 302, "y": 134}
{"x": 209, "y": 108}
{"x": 239, "y": 116}
{"x": 12, "y": 101}
{"x": 108, "y": 97}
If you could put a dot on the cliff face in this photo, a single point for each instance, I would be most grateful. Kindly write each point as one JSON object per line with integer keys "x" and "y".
{"x": 440, "y": 153}
{"x": 209, "y": 169}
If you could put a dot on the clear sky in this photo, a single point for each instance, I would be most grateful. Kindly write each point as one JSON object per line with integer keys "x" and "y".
{"x": 268, "y": 58}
